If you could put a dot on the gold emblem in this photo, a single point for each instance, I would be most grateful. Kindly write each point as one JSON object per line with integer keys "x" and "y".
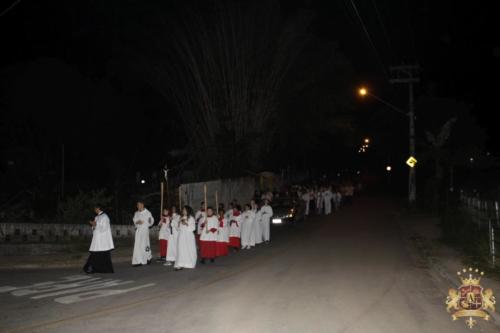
{"x": 470, "y": 299}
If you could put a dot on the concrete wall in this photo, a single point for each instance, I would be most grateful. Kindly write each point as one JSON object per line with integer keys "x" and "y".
{"x": 241, "y": 189}
{"x": 50, "y": 233}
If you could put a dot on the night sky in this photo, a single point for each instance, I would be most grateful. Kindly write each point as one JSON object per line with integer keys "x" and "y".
{"x": 70, "y": 73}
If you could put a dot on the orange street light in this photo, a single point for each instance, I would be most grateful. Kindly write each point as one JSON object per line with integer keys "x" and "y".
{"x": 363, "y": 91}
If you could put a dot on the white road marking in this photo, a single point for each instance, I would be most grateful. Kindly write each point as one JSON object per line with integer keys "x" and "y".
{"x": 6, "y": 289}
{"x": 109, "y": 283}
{"x": 84, "y": 287}
{"x": 99, "y": 293}
{"x": 50, "y": 287}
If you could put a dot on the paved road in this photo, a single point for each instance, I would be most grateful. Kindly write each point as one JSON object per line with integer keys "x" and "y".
{"x": 350, "y": 272}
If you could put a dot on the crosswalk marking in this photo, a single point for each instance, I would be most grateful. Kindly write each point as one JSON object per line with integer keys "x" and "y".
{"x": 82, "y": 287}
{"x": 98, "y": 293}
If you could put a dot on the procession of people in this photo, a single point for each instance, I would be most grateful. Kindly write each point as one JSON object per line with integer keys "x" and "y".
{"x": 184, "y": 239}
{"x": 324, "y": 200}
{"x": 210, "y": 233}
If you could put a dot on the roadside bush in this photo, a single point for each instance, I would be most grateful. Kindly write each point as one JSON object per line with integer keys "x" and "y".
{"x": 462, "y": 233}
{"x": 79, "y": 208}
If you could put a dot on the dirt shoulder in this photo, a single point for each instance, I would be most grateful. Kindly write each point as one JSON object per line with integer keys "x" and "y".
{"x": 424, "y": 236}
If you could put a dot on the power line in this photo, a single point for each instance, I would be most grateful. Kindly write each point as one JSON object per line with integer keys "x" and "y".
{"x": 411, "y": 33}
{"x": 369, "y": 38}
{"x": 10, "y": 7}
{"x": 384, "y": 30}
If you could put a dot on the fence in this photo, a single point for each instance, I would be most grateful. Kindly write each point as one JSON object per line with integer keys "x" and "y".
{"x": 485, "y": 215}
{"x": 55, "y": 233}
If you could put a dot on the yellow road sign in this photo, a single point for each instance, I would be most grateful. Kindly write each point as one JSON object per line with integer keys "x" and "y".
{"x": 411, "y": 162}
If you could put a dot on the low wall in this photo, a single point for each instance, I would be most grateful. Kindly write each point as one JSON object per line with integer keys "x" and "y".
{"x": 50, "y": 233}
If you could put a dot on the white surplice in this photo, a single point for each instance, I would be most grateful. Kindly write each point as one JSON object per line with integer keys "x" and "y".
{"x": 247, "y": 228}
{"x": 258, "y": 230}
{"x": 142, "y": 246}
{"x": 266, "y": 214}
{"x": 102, "y": 239}
{"x": 186, "y": 244}
{"x": 172, "y": 237}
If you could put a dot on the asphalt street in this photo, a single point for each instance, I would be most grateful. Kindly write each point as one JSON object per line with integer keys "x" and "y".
{"x": 348, "y": 272}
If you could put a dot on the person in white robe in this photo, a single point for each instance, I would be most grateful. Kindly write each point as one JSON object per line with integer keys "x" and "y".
{"x": 319, "y": 201}
{"x": 99, "y": 260}
{"x": 199, "y": 218}
{"x": 247, "y": 228}
{"x": 327, "y": 200}
{"x": 186, "y": 243}
{"x": 229, "y": 213}
{"x": 306, "y": 197}
{"x": 266, "y": 215}
{"x": 143, "y": 220}
{"x": 257, "y": 228}
{"x": 172, "y": 236}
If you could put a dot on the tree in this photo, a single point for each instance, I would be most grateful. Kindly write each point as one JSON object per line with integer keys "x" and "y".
{"x": 453, "y": 138}
{"x": 222, "y": 68}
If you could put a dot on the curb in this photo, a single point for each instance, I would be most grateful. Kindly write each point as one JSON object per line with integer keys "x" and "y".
{"x": 71, "y": 264}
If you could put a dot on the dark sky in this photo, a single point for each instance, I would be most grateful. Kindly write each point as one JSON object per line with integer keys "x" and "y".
{"x": 454, "y": 42}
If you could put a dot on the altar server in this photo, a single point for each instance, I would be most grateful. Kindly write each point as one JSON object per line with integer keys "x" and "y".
{"x": 186, "y": 243}
{"x": 235, "y": 228}
{"x": 172, "y": 236}
{"x": 266, "y": 215}
{"x": 99, "y": 260}
{"x": 208, "y": 236}
{"x": 222, "y": 235}
{"x": 247, "y": 228}
{"x": 163, "y": 235}
{"x": 142, "y": 247}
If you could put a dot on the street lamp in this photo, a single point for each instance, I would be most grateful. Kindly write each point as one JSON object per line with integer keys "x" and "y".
{"x": 412, "y": 186}
{"x": 367, "y": 140}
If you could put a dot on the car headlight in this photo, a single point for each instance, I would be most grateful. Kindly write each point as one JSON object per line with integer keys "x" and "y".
{"x": 277, "y": 221}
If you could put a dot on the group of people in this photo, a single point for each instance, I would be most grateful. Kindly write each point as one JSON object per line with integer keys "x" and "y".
{"x": 325, "y": 199}
{"x": 213, "y": 233}
{"x": 182, "y": 236}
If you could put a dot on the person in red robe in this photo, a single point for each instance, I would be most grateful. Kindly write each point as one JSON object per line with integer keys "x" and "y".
{"x": 208, "y": 236}
{"x": 164, "y": 233}
{"x": 222, "y": 235}
{"x": 235, "y": 229}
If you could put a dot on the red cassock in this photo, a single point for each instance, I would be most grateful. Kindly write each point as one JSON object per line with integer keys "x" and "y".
{"x": 235, "y": 230}
{"x": 221, "y": 246}
{"x": 208, "y": 237}
{"x": 208, "y": 249}
{"x": 221, "y": 249}
{"x": 234, "y": 242}
{"x": 163, "y": 247}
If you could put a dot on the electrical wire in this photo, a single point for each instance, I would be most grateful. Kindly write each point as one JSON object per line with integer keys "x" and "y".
{"x": 370, "y": 40}
{"x": 384, "y": 31}
{"x": 10, "y": 7}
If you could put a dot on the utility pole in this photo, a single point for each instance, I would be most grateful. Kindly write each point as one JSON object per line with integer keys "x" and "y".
{"x": 409, "y": 74}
